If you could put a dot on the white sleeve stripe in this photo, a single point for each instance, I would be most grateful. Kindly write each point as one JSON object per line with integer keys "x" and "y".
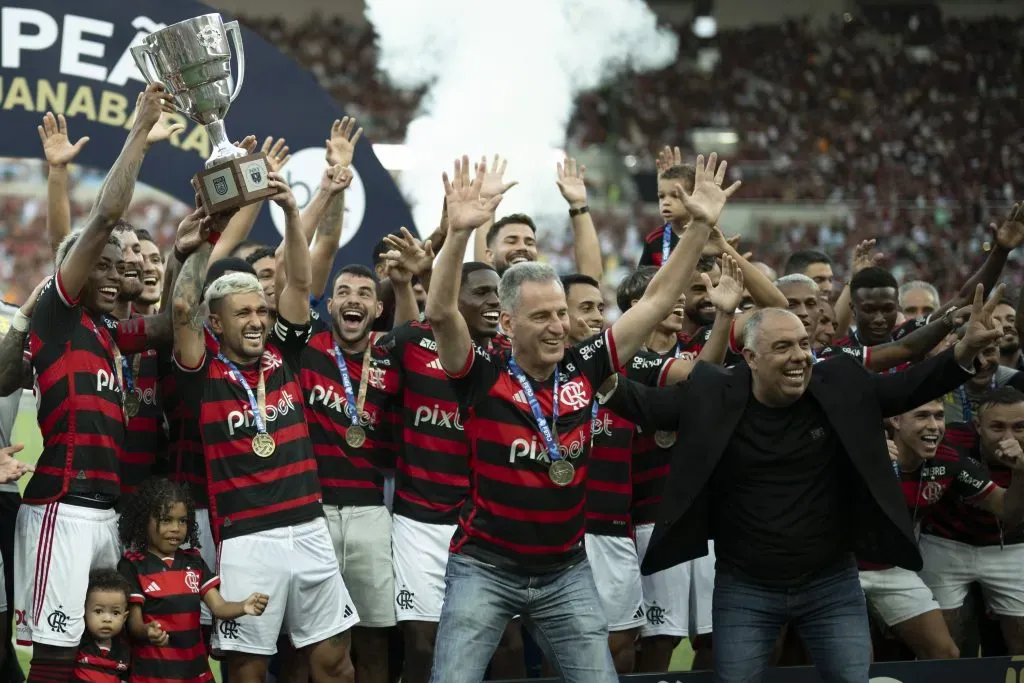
{"x": 185, "y": 368}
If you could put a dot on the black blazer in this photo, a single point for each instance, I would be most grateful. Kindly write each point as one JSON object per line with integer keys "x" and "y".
{"x": 706, "y": 408}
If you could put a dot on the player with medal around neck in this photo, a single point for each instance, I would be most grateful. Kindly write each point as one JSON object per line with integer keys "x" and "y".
{"x": 354, "y": 305}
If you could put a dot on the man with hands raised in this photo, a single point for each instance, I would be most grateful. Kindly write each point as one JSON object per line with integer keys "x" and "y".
{"x": 518, "y": 548}
{"x": 265, "y": 498}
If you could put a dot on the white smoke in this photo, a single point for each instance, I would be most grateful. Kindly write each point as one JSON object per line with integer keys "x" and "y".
{"x": 501, "y": 77}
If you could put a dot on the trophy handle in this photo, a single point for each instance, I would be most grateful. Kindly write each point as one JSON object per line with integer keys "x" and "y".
{"x": 232, "y": 29}
{"x": 144, "y": 59}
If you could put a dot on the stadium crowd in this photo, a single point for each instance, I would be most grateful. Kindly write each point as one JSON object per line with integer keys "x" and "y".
{"x": 470, "y": 470}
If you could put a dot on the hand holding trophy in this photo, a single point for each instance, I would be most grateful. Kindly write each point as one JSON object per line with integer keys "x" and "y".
{"x": 193, "y": 61}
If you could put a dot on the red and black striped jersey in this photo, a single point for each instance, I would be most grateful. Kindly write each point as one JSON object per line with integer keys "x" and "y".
{"x": 652, "y": 251}
{"x": 515, "y": 516}
{"x": 349, "y": 476}
{"x": 170, "y": 591}
{"x": 97, "y": 664}
{"x": 186, "y": 461}
{"x": 609, "y": 483}
{"x": 145, "y": 438}
{"x": 853, "y": 346}
{"x": 651, "y": 463}
{"x": 957, "y": 518}
{"x": 249, "y": 493}
{"x": 690, "y": 345}
{"x": 432, "y": 469}
{"x": 949, "y": 472}
{"x": 79, "y": 399}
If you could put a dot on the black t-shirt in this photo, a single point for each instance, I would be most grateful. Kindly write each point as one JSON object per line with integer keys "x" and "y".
{"x": 779, "y": 511}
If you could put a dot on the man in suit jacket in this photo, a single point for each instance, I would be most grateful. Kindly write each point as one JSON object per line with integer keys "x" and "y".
{"x": 788, "y": 470}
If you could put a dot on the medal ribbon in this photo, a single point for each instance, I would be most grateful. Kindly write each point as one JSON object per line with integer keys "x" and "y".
{"x": 666, "y": 242}
{"x": 258, "y": 402}
{"x": 105, "y": 337}
{"x": 593, "y": 419}
{"x": 131, "y": 373}
{"x": 353, "y": 407}
{"x": 542, "y": 424}
{"x": 965, "y": 404}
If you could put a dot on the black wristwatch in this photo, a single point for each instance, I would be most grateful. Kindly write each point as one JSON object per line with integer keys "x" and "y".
{"x": 579, "y": 212}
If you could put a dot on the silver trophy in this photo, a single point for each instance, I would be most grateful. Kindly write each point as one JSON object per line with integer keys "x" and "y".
{"x": 193, "y": 61}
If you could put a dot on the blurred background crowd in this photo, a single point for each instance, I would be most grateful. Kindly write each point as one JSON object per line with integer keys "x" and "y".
{"x": 904, "y": 130}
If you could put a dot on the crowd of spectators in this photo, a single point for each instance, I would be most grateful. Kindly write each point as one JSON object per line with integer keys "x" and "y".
{"x": 919, "y": 132}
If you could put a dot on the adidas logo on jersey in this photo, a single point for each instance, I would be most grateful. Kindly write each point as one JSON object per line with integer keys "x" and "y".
{"x": 153, "y": 587}
{"x": 520, "y": 397}
{"x": 435, "y": 365}
{"x": 639, "y": 612}
{"x": 348, "y": 611}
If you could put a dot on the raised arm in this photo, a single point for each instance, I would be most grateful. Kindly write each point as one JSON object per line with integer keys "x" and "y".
{"x": 467, "y": 211}
{"x": 59, "y": 152}
{"x": 406, "y": 258}
{"x": 705, "y": 204}
{"x": 15, "y": 370}
{"x": 328, "y": 233}
{"x": 189, "y": 340}
{"x": 492, "y": 185}
{"x": 293, "y": 299}
{"x": 912, "y": 347}
{"x": 114, "y": 196}
{"x": 762, "y": 291}
{"x": 585, "y": 242}
{"x": 925, "y": 381}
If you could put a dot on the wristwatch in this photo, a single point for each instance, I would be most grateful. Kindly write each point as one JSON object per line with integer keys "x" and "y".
{"x": 579, "y": 212}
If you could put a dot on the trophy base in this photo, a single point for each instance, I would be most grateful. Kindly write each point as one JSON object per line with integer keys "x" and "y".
{"x": 234, "y": 183}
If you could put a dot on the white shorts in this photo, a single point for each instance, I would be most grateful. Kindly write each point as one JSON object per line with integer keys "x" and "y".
{"x": 55, "y": 547}
{"x": 896, "y": 594}
{"x": 950, "y": 567}
{"x": 208, "y": 550}
{"x": 677, "y": 601}
{"x": 616, "y": 570}
{"x": 420, "y": 553}
{"x": 362, "y": 543}
{"x": 296, "y": 567}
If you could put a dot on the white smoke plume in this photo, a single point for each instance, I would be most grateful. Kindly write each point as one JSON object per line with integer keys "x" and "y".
{"x": 501, "y": 76}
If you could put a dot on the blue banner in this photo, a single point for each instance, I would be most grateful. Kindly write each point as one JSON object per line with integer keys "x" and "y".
{"x": 72, "y": 57}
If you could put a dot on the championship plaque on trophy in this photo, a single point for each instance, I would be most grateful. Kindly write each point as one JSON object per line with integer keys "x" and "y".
{"x": 193, "y": 61}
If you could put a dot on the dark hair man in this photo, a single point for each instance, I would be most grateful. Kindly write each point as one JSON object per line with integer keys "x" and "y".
{"x": 815, "y": 265}
{"x": 803, "y": 446}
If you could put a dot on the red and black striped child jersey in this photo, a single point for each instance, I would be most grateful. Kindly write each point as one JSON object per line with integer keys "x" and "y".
{"x": 145, "y": 438}
{"x": 690, "y": 345}
{"x": 853, "y": 346}
{"x": 170, "y": 591}
{"x": 432, "y": 469}
{"x": 80, "y": 407}
{"x": 186, "y": 461}
{"x": 948, "y": 477}
{"x": 609, "y": 484}
{"x": 249, "y": 493}
{"x": 652, "y": 251}
{"x": 515, "y": 517}
{"x": 97, "y": 664}
{"x": 349, "y": 476}
{"x": 651, "y": 463}
{"x": 957, "y": 519}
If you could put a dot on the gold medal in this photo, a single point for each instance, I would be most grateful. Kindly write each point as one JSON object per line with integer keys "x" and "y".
{"x": 561, "y": 473}
{"x": 132, "y": 405}
{"x": 665, "y": 439}
{"x": 263, "y": 445}
{"x": 355, "y": 436}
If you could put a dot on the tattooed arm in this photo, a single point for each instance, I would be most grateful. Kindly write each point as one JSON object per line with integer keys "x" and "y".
{"x": 113, "y": 199}
{"x": 328, "y": 233}
{"x": 189, "y": 342}
{"x": 15, "y": 370}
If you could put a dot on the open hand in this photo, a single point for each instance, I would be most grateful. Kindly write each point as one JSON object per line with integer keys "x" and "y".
{"x": 12, "y": 469}
{"x": 493, "y": 183}
{"x": 729, "y": 293}
{"x": 667, "y": 158}
{"x": 156, "y": 634}
{"x": 341, "y": 146}
{"x": 192, "y": 232}
{"x": 707, "y": 200}
{"x": 33, "y": 297}
{"x": 163, "y": 130}
{"x": 1010, "y": 234}
{"x": 468, "y": 209}
{"x": 415, "y": 256}
{"x": 255, "y": 604}
{"x": 570, "y": 182}
{"x": 57, "y": 145}
{"x": 865, "y": 256}
{"x": 277, "y": 154}
{"x": 981, "y": 330}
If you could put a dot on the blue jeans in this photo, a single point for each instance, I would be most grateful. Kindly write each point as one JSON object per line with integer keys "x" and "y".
{"x": 830, "y": 613}
{"x": 561, "y": 610}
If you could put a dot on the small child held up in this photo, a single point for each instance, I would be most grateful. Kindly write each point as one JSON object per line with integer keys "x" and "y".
{"x": 168, "y": 583}
{"x": 104, "y": 654}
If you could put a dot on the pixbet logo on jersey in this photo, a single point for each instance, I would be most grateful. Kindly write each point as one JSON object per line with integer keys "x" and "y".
{"x": 334, "y": 399}
{"x": 536, "y": 450}
{"x": 244, "y": 418}
{"x": 437, "y": 417}
{"x": 106, "y": 381}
